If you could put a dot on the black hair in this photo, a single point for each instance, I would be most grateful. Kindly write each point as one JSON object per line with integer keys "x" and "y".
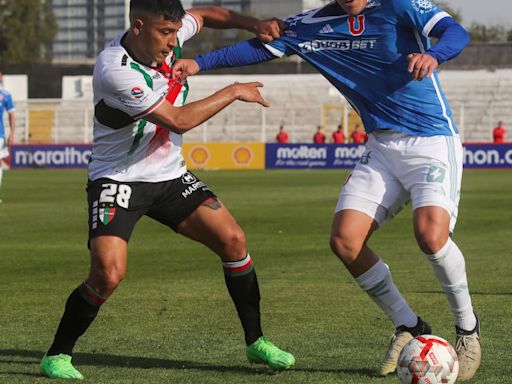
{"x": 169, "y": 9}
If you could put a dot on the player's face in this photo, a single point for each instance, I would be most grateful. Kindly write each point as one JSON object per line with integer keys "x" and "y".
{"x": 159, "y": 37}
{"x": 353, "y": 7}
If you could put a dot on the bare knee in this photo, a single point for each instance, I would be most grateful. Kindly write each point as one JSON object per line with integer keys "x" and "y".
{"x": 431, "y": 240}
{"x": 105, "y": 281}
{"x": 347, "y": 248}
{"x": 431, "y": 228}
{"x": 233, "y": 244}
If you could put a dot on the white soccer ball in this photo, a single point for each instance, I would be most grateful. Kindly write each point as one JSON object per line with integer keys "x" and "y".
{"x": 427, "y": 359}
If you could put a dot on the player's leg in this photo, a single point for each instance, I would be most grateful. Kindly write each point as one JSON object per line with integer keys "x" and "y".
{"x": 435, "y": 199}
{"x": 110, "y": 227}
{"x": 4, "y": 152}
{"x": 213, "y": 225}
{"x": 350, "y": 231}
{"x": 108, "y": 267}
{"x": 190, "y": 208}
{"x": 371, "y": 196}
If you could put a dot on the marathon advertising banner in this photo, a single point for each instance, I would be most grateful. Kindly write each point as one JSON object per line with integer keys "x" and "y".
{"x": 50, "y": 156}
{"x": 488, "y": 155}
{"x": 324, "y": 156}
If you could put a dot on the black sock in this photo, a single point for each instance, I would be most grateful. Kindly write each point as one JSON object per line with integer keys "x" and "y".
{"x": 244, "y": 290}
{"x": 81, "y": 309}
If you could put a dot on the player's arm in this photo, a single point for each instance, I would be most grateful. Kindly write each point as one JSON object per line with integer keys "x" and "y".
{"x": 222, "y": 18}
{"x": 244, "y": 53}
{"x": 12, "y": 124}
{"x": 452, "y": 39}
{"x": 182, "y": 119}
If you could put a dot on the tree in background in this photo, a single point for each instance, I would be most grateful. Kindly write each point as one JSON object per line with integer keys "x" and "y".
{"x": 490, "y": 34}
{"x": 455, "y": 13}
{"x": 27, "y": 28}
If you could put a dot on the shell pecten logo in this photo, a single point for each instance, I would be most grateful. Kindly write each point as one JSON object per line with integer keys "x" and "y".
{"x": 199, "y": 155}
{"x": 242, "y": 155}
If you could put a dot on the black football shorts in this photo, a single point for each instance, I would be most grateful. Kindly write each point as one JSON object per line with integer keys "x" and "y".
{"x": 115, "y": 207}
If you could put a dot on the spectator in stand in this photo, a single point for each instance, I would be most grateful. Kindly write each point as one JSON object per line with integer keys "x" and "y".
{"x": 6, "y": 104}
{"x": 338, "y": 137}
{"x": 282, "y": 136}
{"x": 358, "y": 136}
{"x": 319, "y": 137}
{"x": 498, "y": 133}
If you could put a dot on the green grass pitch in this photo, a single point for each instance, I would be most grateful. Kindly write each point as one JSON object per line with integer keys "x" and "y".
{"x": 172, "y": 321}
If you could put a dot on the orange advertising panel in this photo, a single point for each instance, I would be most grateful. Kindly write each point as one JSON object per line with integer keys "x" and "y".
{"x": 224, "y": 155}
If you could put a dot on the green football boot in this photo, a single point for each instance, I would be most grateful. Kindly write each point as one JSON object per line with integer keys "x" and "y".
{"x": 263, "y": 351}
{"x": 59, "y": 367}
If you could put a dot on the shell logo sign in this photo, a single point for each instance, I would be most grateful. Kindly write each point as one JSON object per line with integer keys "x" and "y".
{"x": 242, "y": 155}
{"x": 199, "y": 156}
{"x": 225, "y": 155}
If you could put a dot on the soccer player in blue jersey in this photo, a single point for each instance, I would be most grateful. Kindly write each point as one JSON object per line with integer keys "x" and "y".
{"x": 6, "y": 104}
{"x": 377, "y": 53}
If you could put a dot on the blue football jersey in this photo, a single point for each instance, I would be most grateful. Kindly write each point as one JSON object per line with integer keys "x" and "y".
{"x": 6, "y": 104}
{"x": 364, "y": 57}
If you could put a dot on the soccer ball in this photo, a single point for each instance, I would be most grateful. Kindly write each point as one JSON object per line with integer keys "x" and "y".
{"x": 427, "y": 359}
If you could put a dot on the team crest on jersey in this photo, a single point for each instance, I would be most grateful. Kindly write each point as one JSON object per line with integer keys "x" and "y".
{"x": 423, "y": 6}
{"x": 356, "y": 25}
{"x": 107, "y": 213}
{"x": 137, "y": 92}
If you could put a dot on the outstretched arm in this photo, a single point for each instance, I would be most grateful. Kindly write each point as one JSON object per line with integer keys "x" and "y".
{"x": 222, "y": 18}
{"x": 183, "y": 119}
{"x": 237, "y": 55}
{"x": 452, "y": 40}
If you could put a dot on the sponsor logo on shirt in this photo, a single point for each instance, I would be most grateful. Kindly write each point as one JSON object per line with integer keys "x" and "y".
{"x": 137, "y": 92}
{"x": 423, "y": 6}
{"x": 336, "y": 45}
{"x": 326, "y": 29}
{"x": 188, "y": 178}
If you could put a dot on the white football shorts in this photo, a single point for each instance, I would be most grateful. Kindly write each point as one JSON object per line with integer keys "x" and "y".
{"x": 397, "y": 168}
{"x": 4, "y": 151}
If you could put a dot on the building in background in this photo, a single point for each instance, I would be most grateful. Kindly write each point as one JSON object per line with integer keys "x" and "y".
{"x": 85, "y": 26}
{"x": 264, "y": 8}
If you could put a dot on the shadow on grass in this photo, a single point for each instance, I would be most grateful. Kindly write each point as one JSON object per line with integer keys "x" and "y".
{"x": 103, "y": 360}
{"x": 472, "y": 293}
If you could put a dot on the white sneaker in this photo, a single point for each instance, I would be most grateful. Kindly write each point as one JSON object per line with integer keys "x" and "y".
{"x": 401, "y": 337}
{"x": 468, "y": 350}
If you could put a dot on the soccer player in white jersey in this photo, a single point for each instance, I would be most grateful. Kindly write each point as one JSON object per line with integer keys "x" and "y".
{"x": 6, "y": 104}
{"x": 137, "y": 169}
{"x": 378, "y": 54}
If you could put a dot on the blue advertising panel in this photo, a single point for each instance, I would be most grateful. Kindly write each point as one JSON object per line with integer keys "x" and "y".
{"x": 324, "y": 156}
{"x": 488, "y": 155}
{"x": 329, "y": 156}
{"x": 50, "y": 156}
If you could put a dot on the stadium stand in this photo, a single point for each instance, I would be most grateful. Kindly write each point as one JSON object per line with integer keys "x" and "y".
{"x": 478, "y": 99}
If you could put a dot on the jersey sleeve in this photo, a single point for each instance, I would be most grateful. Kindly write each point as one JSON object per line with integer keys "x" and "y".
{"x": 9, "y": 104}
{"x": 189, "y": 28}
{"x": 128, "y": 90}
{"x": 421, "y": 15}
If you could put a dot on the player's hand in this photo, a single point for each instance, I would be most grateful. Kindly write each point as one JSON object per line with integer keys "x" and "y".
{"x": 250, "y": 93}
{"x": 421, "y": 65}
{"x": 183, "y": 68}
{"x": 268, "y": 30}
{"x": 10, "y": 140}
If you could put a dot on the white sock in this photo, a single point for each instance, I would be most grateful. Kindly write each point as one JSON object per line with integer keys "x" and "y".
{"x": 378, "y": 284}
{"x": 449, "y": 266}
